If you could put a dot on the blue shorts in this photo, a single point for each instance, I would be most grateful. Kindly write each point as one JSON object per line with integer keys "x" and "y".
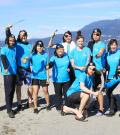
{"x": 23, "y": 76}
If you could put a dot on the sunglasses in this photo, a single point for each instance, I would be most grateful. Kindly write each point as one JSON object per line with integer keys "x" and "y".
{"x": 39, "y": 45}
{"x": 93, "y": 69}
{"x": 97, "y": 34}
{"x": 67, "y": 36}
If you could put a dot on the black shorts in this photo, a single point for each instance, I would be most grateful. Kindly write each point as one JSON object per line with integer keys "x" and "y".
{"x": 73, "y": 100}
{"x": 38, "y": 82}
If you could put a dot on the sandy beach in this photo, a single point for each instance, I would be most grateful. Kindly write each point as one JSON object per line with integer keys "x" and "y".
{"x": 52, "y": 123}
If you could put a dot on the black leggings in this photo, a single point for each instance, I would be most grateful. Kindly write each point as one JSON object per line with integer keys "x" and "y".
{"x": 109, "y": 92}
{"x": 73, "y": 100}
{"x": 9, "y": 86}
{"x": 61, "y": 89}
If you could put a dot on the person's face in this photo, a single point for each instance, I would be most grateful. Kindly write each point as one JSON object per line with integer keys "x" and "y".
{"x": 60, "y": 52}
{"x": 39, "y": 48}
{"x": 96, "y": 36}
{"x": 91, "y": 70}
{"x": 80, "y": 42}
{"x": 23, "y": 37}
{"x": 11, "y": 41}
{"x": 113, "y": 47}
{"x": 67, "y": 38}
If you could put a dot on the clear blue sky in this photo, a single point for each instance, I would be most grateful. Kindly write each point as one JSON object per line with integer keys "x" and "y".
{"x": 42, "y": 17}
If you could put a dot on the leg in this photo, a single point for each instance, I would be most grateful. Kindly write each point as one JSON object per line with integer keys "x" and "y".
{"x": 46, "y": 93}
{"x": 66, "y": 86}
{"x": 58, "y": 94}
{"x": 72, "y": 100}
{"x": 9, "y": 85}
{"x": 18, "y": 94}
{"x": 30, "y": 93}
{"x": 84, "y": 99}
{"x": 100, "y": 99}
{"x": 112, "y": 100}
{"x": 35, "y": 95}
{"x": 44, "y": 85}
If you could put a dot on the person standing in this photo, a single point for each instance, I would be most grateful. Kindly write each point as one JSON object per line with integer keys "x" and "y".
{"x": 23, "y": 50}
{"x": 113, "y": 63}
{"x": 39, "y": 61}
{"x": 80, "y": 56}
{"x": 60, "y": 74}
{"x": 9, "y": 70}
{"x": 98, "y": 57}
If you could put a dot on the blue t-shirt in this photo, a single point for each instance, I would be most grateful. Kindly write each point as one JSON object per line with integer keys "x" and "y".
{"x": 75, "y": 87}
{"x": 39, "y": 62}
{"x": 22, "y": 52}
{"x": 113, "y": 61}
{"x": 59, "y": 70}
{"x": 99, "y": 62}
{"x": 10, "y": 54}
{"x": 81, "y": 58}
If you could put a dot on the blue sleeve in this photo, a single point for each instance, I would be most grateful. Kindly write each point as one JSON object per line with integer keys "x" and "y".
{"x": 111, "y": 83}
{"x": 82, "y": 78}
{"x": 52, "y": 59}
{"x": 3, "y": 52}
{"x": 103, "y": 45}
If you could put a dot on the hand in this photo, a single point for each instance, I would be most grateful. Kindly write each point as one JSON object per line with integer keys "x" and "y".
{"x": 24, "y": 60}
{"x": 6, "y": 71}
{"x": 9, "y": 26}
{"x": 96, "y": 93}
{"x": 82, "y": 68}
{"x": 53, "y": 35}
{"x": 68, "y": 70}
{"x": 104, "y": 70}
{"x": 47, "y": 67}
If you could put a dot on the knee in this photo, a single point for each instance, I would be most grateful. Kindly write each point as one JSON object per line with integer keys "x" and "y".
{"x": 85, "y": 95}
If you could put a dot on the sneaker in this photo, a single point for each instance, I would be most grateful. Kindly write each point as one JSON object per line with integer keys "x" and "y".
{"x": 48, "y": 107}
{"x": 111, "y": 113}
{"x": 36, "y": 111}
{"x": 99, "y": 113}
{"x": 11, "y": 114}
{"x": 107, "y": 112}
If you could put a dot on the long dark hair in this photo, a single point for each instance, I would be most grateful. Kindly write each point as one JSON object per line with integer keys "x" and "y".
{"x": 7, "y": 40}
{"x": 92, "y": 42}
{"x": 37, "y": 43}
{"x": 67, "y": 32}
{"x": 111, "y": 42}
{"x": 25, "y": 33}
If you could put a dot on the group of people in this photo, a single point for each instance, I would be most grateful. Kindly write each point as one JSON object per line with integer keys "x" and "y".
{"x": 78, "y": 71}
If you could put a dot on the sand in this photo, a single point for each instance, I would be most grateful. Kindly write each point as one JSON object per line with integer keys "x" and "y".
{"x": 52, "y": 123}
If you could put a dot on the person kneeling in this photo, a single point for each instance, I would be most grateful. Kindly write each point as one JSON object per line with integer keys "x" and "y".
{"x": 79, "y": 93}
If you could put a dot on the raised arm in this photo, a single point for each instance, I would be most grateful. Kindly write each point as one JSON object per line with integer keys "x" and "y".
{"x": 50, "y": 44}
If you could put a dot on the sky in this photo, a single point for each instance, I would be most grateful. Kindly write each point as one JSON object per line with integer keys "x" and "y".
{"x": 42, "y": 17}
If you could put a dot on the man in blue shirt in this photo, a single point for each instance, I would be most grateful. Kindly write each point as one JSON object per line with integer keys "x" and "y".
{"x": 79, "y": 93}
